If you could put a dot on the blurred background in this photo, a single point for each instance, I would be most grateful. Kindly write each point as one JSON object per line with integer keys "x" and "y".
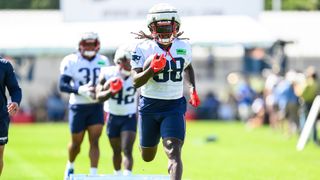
{"x": 256, "y": 64}
{"x": 242, "y": 51}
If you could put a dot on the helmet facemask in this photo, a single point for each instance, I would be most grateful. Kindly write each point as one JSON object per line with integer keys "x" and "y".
{"x": 124, "y": 67}
{"x": 89, "y": 45}
{"x": 122, "y": 59}
{"x": 89, "y": 48}
{"x": 164, "y": 32}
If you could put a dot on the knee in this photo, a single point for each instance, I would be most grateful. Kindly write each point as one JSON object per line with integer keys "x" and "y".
{"x": 147, "y": 158}
{"x": 94, "y": 142}
{"x": 127, "y": 152}
{"x": 75, "y": 146}
{"x": 116, "y": 152}
{"x": 172, "y": 149}
{"x": 148, "y": 154}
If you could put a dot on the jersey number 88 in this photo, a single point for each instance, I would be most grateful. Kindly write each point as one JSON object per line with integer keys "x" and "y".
{"x": 174, "y": 73}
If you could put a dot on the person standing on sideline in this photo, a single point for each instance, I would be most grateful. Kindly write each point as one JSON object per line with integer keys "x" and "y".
{"x": 116, "y": 89}
{"x": 8, "y": 81}
{"x": 161, "y": 61}
{"x": 79, "y": 74}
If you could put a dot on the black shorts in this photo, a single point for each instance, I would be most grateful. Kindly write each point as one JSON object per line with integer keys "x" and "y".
{"x": 4, "y": 127}
{"x": 117, "y": 124}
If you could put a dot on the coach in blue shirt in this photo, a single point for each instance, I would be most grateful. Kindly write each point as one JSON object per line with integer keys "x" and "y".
{"x": 7, "y": 80}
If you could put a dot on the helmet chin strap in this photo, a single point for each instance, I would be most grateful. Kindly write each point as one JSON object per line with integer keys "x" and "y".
{"x": 168, "y": 52}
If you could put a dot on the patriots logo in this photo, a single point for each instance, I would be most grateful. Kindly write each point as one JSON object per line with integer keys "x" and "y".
{"x": 136, "y": 58}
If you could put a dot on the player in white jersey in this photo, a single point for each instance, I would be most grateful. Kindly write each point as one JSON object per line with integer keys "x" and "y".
{"x": 79, "y": 75}
{"x": 116, "y": 89}
{"x": 160, "y": 62}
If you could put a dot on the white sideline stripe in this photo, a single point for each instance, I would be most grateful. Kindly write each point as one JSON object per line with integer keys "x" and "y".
{"x": 116, "y": 177}
{"x": 307, "y": 128}
{"x": 23, "y": 166}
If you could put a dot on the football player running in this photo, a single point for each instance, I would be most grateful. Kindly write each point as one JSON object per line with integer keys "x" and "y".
{"x": 116, "y": 86}
{"x": 160, "y": 63}
{"x": 79, "y": 74}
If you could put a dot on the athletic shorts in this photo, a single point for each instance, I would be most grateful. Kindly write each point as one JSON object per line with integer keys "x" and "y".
{"x": 162, "y": 118}
{"x": 82, "y": 116}
{"x": 116, "y": 124}
{"x": 4, "y": 128}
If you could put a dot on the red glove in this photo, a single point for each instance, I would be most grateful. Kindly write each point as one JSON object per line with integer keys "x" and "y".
{"x": 115, "y": 85}
{"x": 194, "y": 98}
{"x": 158, "y": 63}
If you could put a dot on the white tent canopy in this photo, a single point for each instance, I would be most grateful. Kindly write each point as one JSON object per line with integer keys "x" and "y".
{"x": 45, "y": 32}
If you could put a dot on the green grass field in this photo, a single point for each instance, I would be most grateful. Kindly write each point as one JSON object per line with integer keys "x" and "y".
{"x": 39, "y": 151}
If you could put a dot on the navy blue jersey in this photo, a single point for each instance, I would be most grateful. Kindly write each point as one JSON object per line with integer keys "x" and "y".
{"x": 8, "y": 81}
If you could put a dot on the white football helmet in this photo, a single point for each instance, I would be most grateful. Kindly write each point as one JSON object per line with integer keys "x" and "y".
{"x": 89, "y": 44}
{"x": 163, "y": 22}
{"x": 122, "y": 59}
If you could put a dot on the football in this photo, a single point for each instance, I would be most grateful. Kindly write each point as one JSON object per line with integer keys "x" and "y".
{"x": 147, "y": 63}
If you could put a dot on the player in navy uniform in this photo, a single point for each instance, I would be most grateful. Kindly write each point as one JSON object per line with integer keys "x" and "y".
{"x": 116, "y": 86}
{"x": 161, "y": 61}
{"x": 7, "y": 81}
{"x": 79, "y": 75}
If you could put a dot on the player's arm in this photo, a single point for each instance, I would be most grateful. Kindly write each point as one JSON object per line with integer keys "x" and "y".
{"x": 14, "y": 90}
{"x": 102, "y": 94}
{"x": 190, "y": 80}
{"x": 65, "y": 86}
{"x": 141, "y": 77}
{"x": 108, "y": 88}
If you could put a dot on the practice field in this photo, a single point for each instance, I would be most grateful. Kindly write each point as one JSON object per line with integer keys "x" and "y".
{"x": 39, "y": 151}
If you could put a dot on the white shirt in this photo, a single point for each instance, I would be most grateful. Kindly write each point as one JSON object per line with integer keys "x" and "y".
{"x": 125, "y": 101}
{"x": 169, "y": 83}
{"x": 82, "y": 71}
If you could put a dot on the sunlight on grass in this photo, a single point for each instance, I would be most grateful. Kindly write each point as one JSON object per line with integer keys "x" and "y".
{"x": 212, "y": 150}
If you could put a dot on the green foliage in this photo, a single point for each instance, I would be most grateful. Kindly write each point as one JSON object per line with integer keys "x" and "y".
{"x": 29, "y": 4}
{"x": 304, "y": 5}
{"x": 39, "y": 151}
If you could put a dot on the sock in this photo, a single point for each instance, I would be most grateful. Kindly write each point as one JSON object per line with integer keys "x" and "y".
{"x": 70, "y": 165}
{"x": 118, "y": 173}
{"x": 93, "y": 171}
{"x": 127, "y": 172}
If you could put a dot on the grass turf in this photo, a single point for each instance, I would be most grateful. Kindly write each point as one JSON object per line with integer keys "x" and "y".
{"x": 212, "y": 150}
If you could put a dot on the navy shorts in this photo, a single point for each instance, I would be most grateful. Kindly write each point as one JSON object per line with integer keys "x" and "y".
{"x": 161, "y": 118}
{"x": 116, "y": 124}
{"x": 4, "y": 127}
{"x": 83, "y": 115}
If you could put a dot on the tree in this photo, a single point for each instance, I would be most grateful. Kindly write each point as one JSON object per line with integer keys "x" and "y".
{"x": 303, "y": 5}
{"x": 29, "y": 4}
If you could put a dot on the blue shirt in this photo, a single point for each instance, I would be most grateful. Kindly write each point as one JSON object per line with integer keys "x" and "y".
{"x": 8, "y": 80}
{"x": 284, "y": 94}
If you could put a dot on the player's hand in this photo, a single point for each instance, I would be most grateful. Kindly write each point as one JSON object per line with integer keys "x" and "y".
{"x": 87, "y": 91}
{"x": 13, "y": 108}
{"x": 158, "y": 63}
{"x": 194, "y": 98}
{"x": 115, "y": 85}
